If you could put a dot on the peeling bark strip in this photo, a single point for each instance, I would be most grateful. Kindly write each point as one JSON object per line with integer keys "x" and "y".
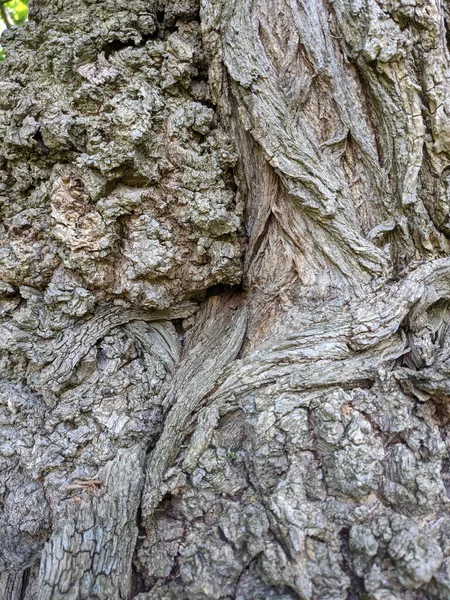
{"x": 225, "y": 301}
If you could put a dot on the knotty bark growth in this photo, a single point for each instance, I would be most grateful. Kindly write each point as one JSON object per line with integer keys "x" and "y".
{"x": 225, "y": 287}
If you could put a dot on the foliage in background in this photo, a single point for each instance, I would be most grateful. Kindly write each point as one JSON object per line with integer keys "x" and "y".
{"x": 12, "y": 12}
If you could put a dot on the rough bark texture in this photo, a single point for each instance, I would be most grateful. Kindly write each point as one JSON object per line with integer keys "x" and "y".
{"x": 225, "y": 300}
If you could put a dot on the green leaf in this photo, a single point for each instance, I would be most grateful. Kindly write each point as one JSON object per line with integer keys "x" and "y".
{"x": 18, "y": 9}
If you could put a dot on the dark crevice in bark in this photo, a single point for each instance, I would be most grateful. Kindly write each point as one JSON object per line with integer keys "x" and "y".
{"x": 25, "y": 582}
{"x": 442, "y": 413}
{"x": 160, "y": 16}
{"x": 356, "y": 590}
{"x": 137, "y": 579}
{"x": 40, "y": 142}
{"x": 446, "y": 21}
{"x": 364, "y": 384}
{"x": 178, "y": 324}
{"x": 219, "y": 289}
{"x": 116, "y": 46}
{"x": 142, "y": 583}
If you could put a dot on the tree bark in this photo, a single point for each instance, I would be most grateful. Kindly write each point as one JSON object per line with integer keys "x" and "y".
{"x": 225, "y": 300}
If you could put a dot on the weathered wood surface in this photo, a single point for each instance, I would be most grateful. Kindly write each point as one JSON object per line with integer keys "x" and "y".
{"x": 224, "y": 301}
{"x": 90, "y": 553}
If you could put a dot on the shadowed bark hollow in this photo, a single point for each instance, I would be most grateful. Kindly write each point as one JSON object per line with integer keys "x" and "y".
{"x": 225, "y": 300}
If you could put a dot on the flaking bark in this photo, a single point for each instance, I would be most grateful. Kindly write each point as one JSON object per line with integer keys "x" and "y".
{"x": 225, "y": 287}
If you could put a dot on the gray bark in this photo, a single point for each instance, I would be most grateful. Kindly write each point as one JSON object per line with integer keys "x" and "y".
{"x": 225, "y": 300}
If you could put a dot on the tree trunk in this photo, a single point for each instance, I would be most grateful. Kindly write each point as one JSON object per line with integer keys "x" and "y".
{"x": 225, "y": 300}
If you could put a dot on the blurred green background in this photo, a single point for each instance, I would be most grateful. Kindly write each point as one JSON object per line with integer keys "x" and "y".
{"x": 12, "y": 12}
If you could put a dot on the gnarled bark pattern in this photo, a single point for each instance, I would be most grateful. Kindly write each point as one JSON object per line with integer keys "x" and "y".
{"x": 225, "y": 287}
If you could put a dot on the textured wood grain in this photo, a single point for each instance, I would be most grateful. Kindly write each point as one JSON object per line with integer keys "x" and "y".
{"x": 224, "y": 301}
{"x": 94, "y": 544}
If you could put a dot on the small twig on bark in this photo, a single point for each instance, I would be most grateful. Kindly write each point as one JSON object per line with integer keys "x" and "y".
{"x": 5, "y": 15}
{"x": 91, "y": 485}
